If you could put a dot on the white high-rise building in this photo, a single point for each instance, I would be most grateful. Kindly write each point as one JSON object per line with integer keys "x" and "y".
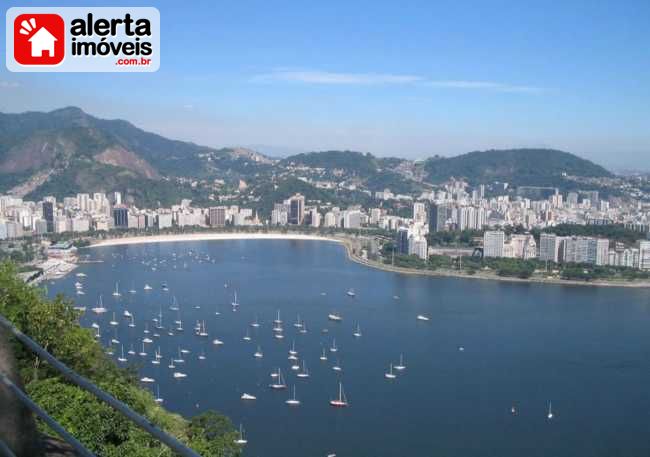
{"x": 644, "y": 255}
{"x": 493, "y": 241}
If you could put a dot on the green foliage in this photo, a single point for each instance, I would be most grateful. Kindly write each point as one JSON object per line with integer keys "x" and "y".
{"x": 530, "y": 167}
{"x": 613, "y": 232}
{"x": 350, "y": 161}
{"x": 54, "y": 325}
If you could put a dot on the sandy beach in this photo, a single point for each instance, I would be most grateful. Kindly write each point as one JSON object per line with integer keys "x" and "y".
{"x": 210, "y": 237}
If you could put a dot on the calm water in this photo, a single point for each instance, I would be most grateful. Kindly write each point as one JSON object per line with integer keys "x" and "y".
{"x": 585, "y": 349}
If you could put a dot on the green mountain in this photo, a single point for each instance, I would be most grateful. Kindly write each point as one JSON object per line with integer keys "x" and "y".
{"x": 67, "y": 151}
{"x": 531, "y": 167}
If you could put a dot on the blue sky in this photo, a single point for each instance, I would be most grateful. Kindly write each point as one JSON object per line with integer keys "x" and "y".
{"x": 407, "y": 78}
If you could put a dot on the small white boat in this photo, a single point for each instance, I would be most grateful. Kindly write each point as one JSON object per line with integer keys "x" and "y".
{"x": 277, "y": 320}
{"x": 113, "y": 322}
{"x": 337, "y": 367}
{"x": 298, "y": 323}
{"x": 549, "y": 415}
{"x": 116, "y": 292}
{"x": 146, "y": 379}
{"x": 179, "y": 375}
{"x": 202, "y": 355}
{"x": 255, "y": 323}
{"x": 235, "y": 303}
{"x": 422, "y": 317}
{"x": 400, "y": 366}
{"x": 122, "y": 358}
{"x": 303, "y": 373}
{"x": 147, "y": 287}
{"x": 131, "y": 351}
{"x": 278, "y": 383}
{"x": 351, "y": 293}
{"x": 158, "y": 398}
{"x": 334, "y": 348}
{"x": 278, "y": 336}
{"x": 357, "y": 332}
{"x": 246, "y": 396}
{"x": 247, "y": 337}
{"x": 390, "y": 374}
{"x": 217, "y": 342}
{"x": 94, "y": 325}
{"x": 258, "y": 354}
{"x": 127, "y": 314}
{"x": 241, "y": 440}
{"x": 341, "y": 401}
{"x": 293, "y": 401}
{"x": 293, "y": 351}
{"x": 334, "y": 316}
{"x": 147, "y": 340}
{"x": 81, "y": 275}
{"x": 143, "y": 353}
{"x": 323, "y": 357}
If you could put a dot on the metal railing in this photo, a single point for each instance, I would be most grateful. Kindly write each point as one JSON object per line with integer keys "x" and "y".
{"x": 87, "y": 385}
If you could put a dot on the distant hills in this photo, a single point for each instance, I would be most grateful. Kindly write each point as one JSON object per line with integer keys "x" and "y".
{"x": 532, "y": 167}
{"x": 66, "y": 151}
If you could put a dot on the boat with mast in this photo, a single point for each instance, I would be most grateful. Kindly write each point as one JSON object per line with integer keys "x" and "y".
{"x": 357, "y": 332}
{"x": 400, "y": 366}
{"x": 241, "y": 440}
{"x": 158, "y": 399}
{"x": 122, "y": 358}
{"x": 278, "y": 383}
{"x": 293, "y": 401}
{"x": 390, "y": 374}
{"x": 116, "y": 292}
{"x": 341, "y": 401}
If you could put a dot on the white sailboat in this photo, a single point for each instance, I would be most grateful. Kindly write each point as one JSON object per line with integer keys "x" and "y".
{"x": 278, "y": 383}
{"x": 143, "y": 353}
{"x": 549, "y": 415}
{"x": 357, "y": 332}
{"x": 351, "y": 293}
{"x": 337, "y": 366}
{"x": 235, "y": 303}
{"x": 147, "y": 287}
{"x": 255, "y": 323}
{"x": 341, "y": 401}
{"x": 293, "y": 351}
{"x": 293, "y": 401}
{"x": 400, "y": 366}
{"x": 122, "y": 358}
{"x": 202, "y": 355}
{"x": 203, "y": 332}
{"x": 303, "y": 373}
{"x": 247, "y": 337}
{"x": 277, "y": 320}
{"x": 99, "y": 309}
{"x": 131, "y": 351}
{"x": 158, "y": 399}
{"x": 116, "y": 292}
{"x": 171, "y": 363}
{"x": 323, "y": 357}
{"x": 113, "y": 322}
{"x": 179, "y": 375}
{"x": 334, "y": 348}
{"x": 390, "y": 374}
{"x": 258, "y": 354}
{"x": 241, "y": 440}
{"x": 298, "y": 323}
{"x": 422, "y": 317}
{"x": 147, "y": 380}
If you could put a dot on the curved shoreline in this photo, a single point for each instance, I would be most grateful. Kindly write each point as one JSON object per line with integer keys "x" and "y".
{"x": 209, "y": 237}
{"x": 347, "y": 243}
{"x": 488, "y": 277}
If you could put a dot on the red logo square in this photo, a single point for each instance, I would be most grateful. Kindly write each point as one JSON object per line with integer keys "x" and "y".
{"x": 39, "y": 39}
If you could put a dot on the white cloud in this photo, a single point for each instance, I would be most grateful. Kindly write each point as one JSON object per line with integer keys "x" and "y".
{"x": 323, "y": 77}
{"x": 331, "y": 78}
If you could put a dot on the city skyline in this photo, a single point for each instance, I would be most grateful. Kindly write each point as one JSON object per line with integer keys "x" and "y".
{"x": 571, "y": 77}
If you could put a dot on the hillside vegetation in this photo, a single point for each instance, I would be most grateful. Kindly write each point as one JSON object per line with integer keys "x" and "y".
{"x": 54, "y": 325}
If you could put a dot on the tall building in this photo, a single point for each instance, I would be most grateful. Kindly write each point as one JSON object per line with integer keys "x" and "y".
{"x": 437, "y": 217}
{"x": 644, "y": 255}
{"x": 549, "y": 247}
{"x": 402, "y": 240}
{"x": 296, "y": 209}
{"x": 48, "y": 215}
{"x": 493, "y": 242}
{"x": 418, "y": 246}
{"x": 217, "y": 216}
{"x": 419, "y": 212}
{"x": 120, "y": 217}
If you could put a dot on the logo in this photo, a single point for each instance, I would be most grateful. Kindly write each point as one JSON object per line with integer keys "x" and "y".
{"x": 83, "y": 39}
{"x": 39, "y": 39}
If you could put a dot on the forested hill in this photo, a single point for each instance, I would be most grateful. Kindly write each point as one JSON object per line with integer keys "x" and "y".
{"x": 533, "y": 167}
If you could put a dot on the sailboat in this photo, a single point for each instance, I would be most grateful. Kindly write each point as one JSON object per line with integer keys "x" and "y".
{"x": 132, "y": 322}
{"x": 241, "y": 440}
{"x": 390, "y": 374}
{"x": 401, "y": 365}
{"x": 235, "y": 303}
{"x": 180, "y": 326}
{"x": 351, "y": 293}
{"x": 99, "y": 309}
{"x": 217, "y": 342}
{"x": 279, "y": 382}
{"x": 549, "y": 415}
{"x": 122, "y": 358}
{"x": 113, "y": 322}
{"x": 293, "y": 401}
{"x": 258, "y": 354}
{"x": 298, "y": 323}
{"x": 127, "y": 314}
{"x": 174, "y": 305}
{"x": 131, "y": 351}
{"x": 323, "y": 357}
{"x": 293, "y": 351}
{"x": 341, "y": 401}
{"x": 247, "y": 337}
{"x": 277, "y": 320}
{"x": 202, "y": 355}
{"x": 255, "y": 323}
{"x": 357, "y": 332}
{"x": 422, "y": 317}
{"x": 132, "y": 290}
{"x": 143, "y": 353}
{"x": 180, "y": 357}
{"x": 304, "y": 373}
{"x": 203, "y": 332}
{"x": 116, "y": 292}
{"x": 159, "y": 321}
{"x": 158, "y": 399}
{"x": 334, "y": 348}
{"x": 171, "y": 363}
{"x": 147, "y": 287}
{"x": 179, "y": 375}
{"x": 337, "y": 366}
{"x": 303, "y": 329}
{"x": 146, "y": 327}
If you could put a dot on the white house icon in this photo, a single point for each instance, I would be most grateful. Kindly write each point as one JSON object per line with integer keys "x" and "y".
{"x": 41, "y": 41}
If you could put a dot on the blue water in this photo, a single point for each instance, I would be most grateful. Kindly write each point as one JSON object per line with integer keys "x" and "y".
{"x": 585, "y": 349}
